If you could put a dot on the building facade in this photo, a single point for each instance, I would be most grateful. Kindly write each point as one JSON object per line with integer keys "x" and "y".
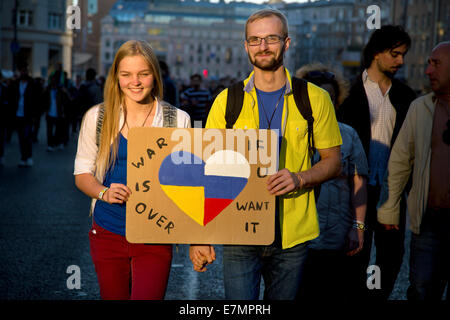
{"x": 192, "y": 37}
{"x": 428, "y": 23}
{"x": 86, "y": 40}
{"x": 35, "y": 33}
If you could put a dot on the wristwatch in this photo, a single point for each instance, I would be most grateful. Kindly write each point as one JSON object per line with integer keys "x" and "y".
{"x": 101, "y": 193}
{"x": 359, "y": 225}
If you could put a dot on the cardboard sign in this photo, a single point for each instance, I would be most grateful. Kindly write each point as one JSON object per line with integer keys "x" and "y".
{"x": 200, "y": 186}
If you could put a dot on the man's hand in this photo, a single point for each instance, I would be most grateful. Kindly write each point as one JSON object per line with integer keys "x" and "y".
{"x": 201, "y": 256}
{"x": 284, "y": 182}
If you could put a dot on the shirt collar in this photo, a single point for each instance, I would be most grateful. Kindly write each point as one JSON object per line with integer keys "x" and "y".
{"x": 251, "y": 83}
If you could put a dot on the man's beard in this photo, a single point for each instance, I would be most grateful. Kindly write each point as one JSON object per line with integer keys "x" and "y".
{"x": 274, "y": 63}
{"x": 390, "y": 73}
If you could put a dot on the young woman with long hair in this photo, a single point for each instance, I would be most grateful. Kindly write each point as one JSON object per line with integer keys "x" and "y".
{"x": 132, "y": 98}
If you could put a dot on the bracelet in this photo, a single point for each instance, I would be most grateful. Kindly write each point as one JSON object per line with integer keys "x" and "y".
{"x": 359, "y": 225}
{"x": 301, "y": 181}
{"x": 101, "y": 193}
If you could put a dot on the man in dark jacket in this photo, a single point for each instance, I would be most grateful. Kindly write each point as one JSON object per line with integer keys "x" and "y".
{"x": 24, "y": 107}
{"x": 375, "y": 108}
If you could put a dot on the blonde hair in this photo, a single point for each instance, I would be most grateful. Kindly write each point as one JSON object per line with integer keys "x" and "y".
{"x": 114, "y": 100}
{"x": 341, "y": 83}
{"x": 265, "y": 13}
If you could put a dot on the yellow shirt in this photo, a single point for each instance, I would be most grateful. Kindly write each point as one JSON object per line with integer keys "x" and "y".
{"x": 298, "y": 215}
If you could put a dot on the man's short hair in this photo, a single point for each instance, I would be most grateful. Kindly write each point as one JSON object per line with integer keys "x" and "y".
{"x": 264, "y": 13}
{"x": 196, "y": 76}
{"x": 387, "y": 37}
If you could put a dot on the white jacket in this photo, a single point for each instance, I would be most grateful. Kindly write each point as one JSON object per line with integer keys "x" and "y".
{"x": 87, "y": 147}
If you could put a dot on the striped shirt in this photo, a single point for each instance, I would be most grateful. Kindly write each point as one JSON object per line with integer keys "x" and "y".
{"x": 196, "y": 103}
{"x": 382, "y": 120}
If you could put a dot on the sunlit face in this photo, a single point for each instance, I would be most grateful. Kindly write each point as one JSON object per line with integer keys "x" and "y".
{"x": 438, "y": 70}
{"x": 135, "y": 79}
{"x": 391, "y": 60}
{"x": 265, "y": 56}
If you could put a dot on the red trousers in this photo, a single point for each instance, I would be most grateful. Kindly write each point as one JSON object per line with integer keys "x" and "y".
{"x": 126, "y": 270}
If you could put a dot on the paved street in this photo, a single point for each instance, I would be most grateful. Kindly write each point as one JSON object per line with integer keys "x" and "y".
{"x": 44, "y": 230}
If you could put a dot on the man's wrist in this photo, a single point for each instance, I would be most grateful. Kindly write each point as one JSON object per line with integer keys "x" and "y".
{"x": 301, "y": 181}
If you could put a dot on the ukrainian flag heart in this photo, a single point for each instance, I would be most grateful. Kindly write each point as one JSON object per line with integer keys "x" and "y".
{"x": 203, "y": 189}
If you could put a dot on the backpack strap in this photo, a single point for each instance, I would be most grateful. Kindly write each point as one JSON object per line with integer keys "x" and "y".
{"x": 98, "y": 129}
{"x": 169, "y": 119}
{"x": 235, "y": 100}
{"x": 169, "y": 115}
{"x": 301, "y": 97}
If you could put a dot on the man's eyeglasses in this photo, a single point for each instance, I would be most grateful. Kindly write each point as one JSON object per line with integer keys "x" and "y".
{"x": 271, "y": 39}
{"x": 324, "y": 75}
{"x": 446, "y": 134}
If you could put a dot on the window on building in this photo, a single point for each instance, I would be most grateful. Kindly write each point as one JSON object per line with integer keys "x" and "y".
{"x": 54, "y": 21}
{"x": 25, "y": 18}
{"x": 89, "y": 26}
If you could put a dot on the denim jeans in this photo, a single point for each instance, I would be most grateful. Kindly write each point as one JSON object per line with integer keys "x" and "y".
{"x": 429, "y": 258}
{"x": 281, "y": 270}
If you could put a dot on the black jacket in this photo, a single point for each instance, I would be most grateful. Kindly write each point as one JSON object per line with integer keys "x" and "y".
{"x": 31, "y": 99}
{"x": 355, "y": 111}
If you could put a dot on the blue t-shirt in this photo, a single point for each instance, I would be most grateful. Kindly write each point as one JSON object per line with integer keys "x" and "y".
{"x": 270, "y": 106}
{"x": 112, "y": 216}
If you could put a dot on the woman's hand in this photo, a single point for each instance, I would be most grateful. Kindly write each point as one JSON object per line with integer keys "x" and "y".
{"x": 117, "y": 193}
{"x": 201, "y": 256}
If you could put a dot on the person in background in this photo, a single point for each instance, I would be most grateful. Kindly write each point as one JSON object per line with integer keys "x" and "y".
{"x": 133, "y": 93}
{"x": 56, "y": 99}
{"x": 422, "y": 149}
{"x": 195, "y": 100}
{"x": 375, "y": 108}
{"x": 24, "y": 108}
{"x": 170, "y": 88}
{"x": 341, "y": 204}
{"x": 90, "y": 92}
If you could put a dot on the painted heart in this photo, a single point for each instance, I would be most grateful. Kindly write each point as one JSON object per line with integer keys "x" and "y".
{"x": 202, "y": 189}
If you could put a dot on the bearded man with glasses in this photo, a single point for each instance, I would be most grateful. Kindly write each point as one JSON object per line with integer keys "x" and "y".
{"x": 269, "y": 103}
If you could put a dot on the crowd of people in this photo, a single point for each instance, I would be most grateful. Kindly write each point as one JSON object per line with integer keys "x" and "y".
{"x": 24, "y": 101}
{"x": 369, "y": 153}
